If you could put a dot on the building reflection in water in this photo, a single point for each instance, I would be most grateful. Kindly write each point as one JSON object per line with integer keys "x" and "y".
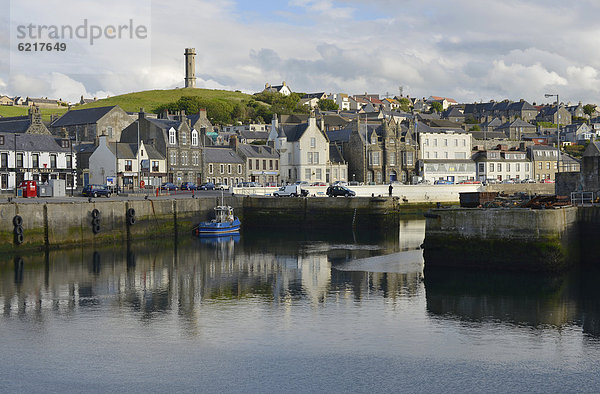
{"x": 148, "y": 279}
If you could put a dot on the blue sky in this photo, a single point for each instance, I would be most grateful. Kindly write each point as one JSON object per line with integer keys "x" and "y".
{"x": 467, "y": 50}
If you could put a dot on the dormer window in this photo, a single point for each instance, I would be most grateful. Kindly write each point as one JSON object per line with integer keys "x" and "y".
{"x": 194, "y": 138}
{"x": 172, "y": 137}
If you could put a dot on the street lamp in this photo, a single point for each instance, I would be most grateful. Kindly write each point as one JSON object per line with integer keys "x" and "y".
{"x": 557, "y": 130}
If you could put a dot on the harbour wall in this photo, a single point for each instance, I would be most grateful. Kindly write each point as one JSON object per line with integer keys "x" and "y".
{"x": 55, "y": 224}
{"x": 504, "y": 238}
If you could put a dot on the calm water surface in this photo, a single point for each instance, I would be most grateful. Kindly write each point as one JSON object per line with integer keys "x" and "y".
{"x": 290, "y": 312}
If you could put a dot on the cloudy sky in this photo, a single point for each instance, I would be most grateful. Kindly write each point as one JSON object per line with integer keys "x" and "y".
{"x": 465, "y": 49}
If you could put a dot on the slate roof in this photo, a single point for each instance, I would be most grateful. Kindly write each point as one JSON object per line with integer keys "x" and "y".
{"x": 16, "y": 124}
{"x": 489, "y": 135}
{"x": 254, "y": 135}
{"x": 262, "y": 151}
{"x": 521, "y": 106}
{"x": 221, "y": 155}
{"x": 33, "y": 142}
{"x": 165, "y": 124}
{"x": 335, "y": 155}
{"x": 152, "y": 153}
{"x": 81, "y": 116}
{"x": 125, "y": 150}
{"x": 342, "y": 135}
{"x": 293, "y": 132}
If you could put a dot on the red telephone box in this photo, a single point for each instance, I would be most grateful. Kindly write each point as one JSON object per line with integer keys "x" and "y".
{"x": 29, "y": 188}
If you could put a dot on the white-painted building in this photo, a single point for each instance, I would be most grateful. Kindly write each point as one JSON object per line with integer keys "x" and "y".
{"x": 503, "y": 165}
{"x": 445, "y": 154}
{"x": 144, "y": 164}
{"x": 38, "y": 157}
{"x": 304, "y": 153}
{"x": 342, "y": 100}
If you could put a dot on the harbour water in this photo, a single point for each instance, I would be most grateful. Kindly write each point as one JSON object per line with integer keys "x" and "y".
{"x": 289, "y": 311}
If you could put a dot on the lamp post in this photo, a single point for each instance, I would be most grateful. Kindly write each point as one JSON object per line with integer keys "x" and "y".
{"x": 71, "y": 166}
{"x": 557, "y": 131}
{"x": 16, "y": 187}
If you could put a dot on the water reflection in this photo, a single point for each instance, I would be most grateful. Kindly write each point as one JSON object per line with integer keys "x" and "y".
{"x": 155, "y": 278}
{"x": 534, "y": 300}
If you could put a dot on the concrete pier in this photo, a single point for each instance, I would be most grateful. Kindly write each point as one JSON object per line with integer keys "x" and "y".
{"x": 504, "y": 238}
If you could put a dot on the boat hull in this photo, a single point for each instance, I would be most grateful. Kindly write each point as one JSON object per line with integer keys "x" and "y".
{"x": 211, "y": 229}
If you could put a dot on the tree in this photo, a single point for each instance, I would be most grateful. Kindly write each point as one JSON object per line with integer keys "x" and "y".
{"x": 436, "y": 106}
{"x": 589, "y": 109}
{"x": 475, "y": 128}
{"x": 327, "y": 105}
{"x": 404, "y": 104}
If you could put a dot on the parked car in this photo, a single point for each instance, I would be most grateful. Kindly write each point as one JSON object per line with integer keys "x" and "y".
{"x": 221, "y": 186}
{"x": 341, "y": 183}
{"x": 339, "y": 190}
{"x": 548, "y": 181}
{"x": 318, "y": 184}
{"x": 290, "y": 191}
{"x": 187, "y": 186}
{"x": 301, "y": 183}
{"x": 443, "y": 182}
{"x": 168, "y": 186}
{"x": 96, "y": 190}
{"x": 207, "y": 186}
{"x": 354, "y": 183}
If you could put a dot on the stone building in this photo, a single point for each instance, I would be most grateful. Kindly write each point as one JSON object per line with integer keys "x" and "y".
{"x": 502, "y": 164}
{"x": 222, "y": 164}
{"x": 86, "y": 125}
{"x": 175, "y": 140}
{"x": 380, "y": 151}
{"x": 261, "y": 162}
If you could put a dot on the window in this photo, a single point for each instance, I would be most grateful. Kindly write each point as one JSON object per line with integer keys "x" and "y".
{"x": 35, "y": 160}
{"x": 183, "y": 138}
{"x": 155, "y": 167}
{"x": 257, "y": 162}
{"x": 289, "y": 157}
{"x": 270, "y": 164}
{"x": 20, "y": 160}
{"x": 128, "y": 165}
{"x": 392, "y": 159}
{"x": 184, "y": 158}
{"x": 318, "y": 174}
{"x": 435, "y": 155}
{"x": 276, "y": 164}
{"x": 374, "y": 156}
{"x": 435, "y": 142}
{"x": 378, "y": 175}
{"x": 316, "y": 157}
{"x": 481, "y": 168}
{"x": 69, "y": 161}
{"x": 195, "y": 158}
{"x": 539, "y": 165}
{"x": 109, "y": 132}
{"x": 445, "y": 155}
{"x": 210, "y": 168}
{"x": 173, "y": 158}
{"x": 307, "y": 174}
{"x": 250, "y": 164}
{"x": 426, "y": 142}
{"x": 264, "y": 164}
{"x": 239, "y": 168}
{"x": 456, "y": 142}
{"x": 172, "y": 139}
{"x": 499, "y": 167}
{"x": 508, "y": 167}
{"x": 52, "y": 160}
{"x": 518, "y": 167}
{"x": 313, "y": 142}
{"x": 526, "y": 167}
{"x": 229, "y": 168}
{"x": 194, "y": 138}
{"x": 4, "y": 160}
{"x": 464, "y": 142}
{"x": 445, "y": 141}
{"x": 491, "y": 167}
{"x": 408, "y": 158}
{"x": 547, "y": 165}
{"x": 222, "y": 168}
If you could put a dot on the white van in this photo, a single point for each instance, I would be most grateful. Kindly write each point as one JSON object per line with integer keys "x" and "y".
{"x": 290, "y": 191}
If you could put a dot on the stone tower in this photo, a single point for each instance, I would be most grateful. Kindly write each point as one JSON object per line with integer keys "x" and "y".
{"x": 190, "y": 67}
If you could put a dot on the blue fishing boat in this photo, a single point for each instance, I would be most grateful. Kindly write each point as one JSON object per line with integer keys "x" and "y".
{"x": 224, "y": 223}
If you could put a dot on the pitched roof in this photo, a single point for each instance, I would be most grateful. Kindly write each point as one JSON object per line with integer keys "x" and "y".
{"x": 342, "y": 135}
{"x": 82, "y": 116}
{"x": 221, "y": 155}
{"x": 293, "y": 132}
{"x": 254, "y": 135}
{"x": 335, "y": 155}
{"x": 153, "y": 153}
{"x": 124, "y": 150}
{"x": 34, "y": 142}
{"x": 16, "y": 124}
{"x": 264, "y": 151}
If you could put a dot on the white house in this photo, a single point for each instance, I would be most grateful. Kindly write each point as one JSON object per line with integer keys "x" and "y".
{"x": 304, "y": 153}
{"x": 38, "y": 157}
{"x": 341, "y": 99}
{"x": 145, "y": 164}
{"x": 445, "y": 154}
{"x": 502, "y": 165}
{"x": 282, "y": 89}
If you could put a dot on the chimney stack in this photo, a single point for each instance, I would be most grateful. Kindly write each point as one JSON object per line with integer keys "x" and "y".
{"x": 233, "y": 142}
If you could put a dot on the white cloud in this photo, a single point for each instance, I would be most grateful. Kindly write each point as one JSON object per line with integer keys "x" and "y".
{"x": 462, "y": 49}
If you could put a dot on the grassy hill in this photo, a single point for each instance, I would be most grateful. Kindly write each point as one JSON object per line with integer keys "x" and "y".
{"x": 151, "y": 99}
{"x": 21, "y": 110}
